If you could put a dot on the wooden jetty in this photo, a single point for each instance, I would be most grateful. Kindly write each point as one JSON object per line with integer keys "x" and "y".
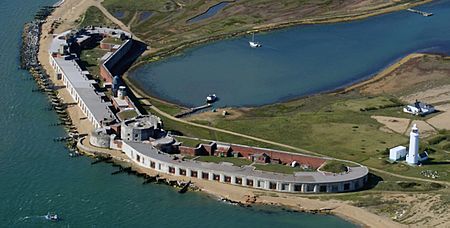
{"x": 192, "y": 110}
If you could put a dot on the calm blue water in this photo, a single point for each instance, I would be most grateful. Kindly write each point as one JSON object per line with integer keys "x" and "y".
{"x": 37, "y": 175}
{"x": 119, "y": 14}
{"x": 209, "y": 13}
{"x": 297, "y": 61}
{"x": 145, "y": 15}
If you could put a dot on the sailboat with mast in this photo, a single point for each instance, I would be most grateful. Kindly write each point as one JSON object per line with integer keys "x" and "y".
{"x": 254, "y": 44}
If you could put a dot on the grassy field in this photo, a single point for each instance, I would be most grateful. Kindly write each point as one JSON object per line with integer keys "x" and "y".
{"x": 336, "y": 125}
{"x": 171, "y": 109}
{"x": 167, "y": 25}
{"x": 94, "y": 16}
{"x": 177, "y": 128}
{"x": 234, "y": 161}
{"x": 90, "y": 59}
{"x": 112, "y": 40}
{"x": 317, "y": 125}
{"x": 127, "y": 114}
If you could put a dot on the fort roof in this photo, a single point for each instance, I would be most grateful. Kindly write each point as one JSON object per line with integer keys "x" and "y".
{"x": 80, "y": 36}
{"x": 85, "y": 90}
{"x": 248, "y": 171}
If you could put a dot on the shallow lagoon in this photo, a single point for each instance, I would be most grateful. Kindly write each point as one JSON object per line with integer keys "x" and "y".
{"x": 295, "y": 62}
{"x": 38, "y": 176}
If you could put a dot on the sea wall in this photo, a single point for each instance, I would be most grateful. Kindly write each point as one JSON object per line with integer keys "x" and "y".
{"x": 107, "y": 66}
{"x": 146, "y": 156}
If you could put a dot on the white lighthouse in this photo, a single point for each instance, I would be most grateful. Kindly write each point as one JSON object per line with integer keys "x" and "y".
{"x": 412, "y": 157}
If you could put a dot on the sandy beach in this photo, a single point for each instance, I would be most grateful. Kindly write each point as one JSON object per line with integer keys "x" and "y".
{"x": 70, "y": 10}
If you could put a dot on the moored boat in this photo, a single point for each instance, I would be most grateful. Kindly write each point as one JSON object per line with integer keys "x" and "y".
{"x": 254, "y": 44}
{"x": 211, "y": 98}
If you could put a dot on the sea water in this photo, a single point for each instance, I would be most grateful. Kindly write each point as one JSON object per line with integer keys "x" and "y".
{"x": 37, "y": 175}
{"x": 296, "y": 61}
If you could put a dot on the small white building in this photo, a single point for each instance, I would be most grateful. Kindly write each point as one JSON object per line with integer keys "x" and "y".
{"x": 397, "y": 153}
{"x": 419, "y": 108}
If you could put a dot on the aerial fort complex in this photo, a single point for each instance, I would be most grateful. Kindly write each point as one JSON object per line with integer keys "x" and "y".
{"x": 304, "y": 122}
{"x": 142, "y": 138}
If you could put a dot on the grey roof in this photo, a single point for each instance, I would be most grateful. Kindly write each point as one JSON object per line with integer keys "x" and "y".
{"x": 164, "y": 141}
{"x": 56, "y": 43}
{"x": 85, "y": 90}
{"x": 247, "y": 171}
{"x": 142, "y": 122}
{"x": 77, "y": 78}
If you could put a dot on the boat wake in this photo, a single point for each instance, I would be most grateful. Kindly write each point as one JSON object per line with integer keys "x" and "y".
{"x": 32, "y": 217}
{"x": 35, "y": 217}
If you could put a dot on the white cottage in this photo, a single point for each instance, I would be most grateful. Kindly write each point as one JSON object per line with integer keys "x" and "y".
{"x": 419, "y": 108}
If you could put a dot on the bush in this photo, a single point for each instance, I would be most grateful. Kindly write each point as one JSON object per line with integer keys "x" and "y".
{"x": 446, "y": 146}
{"x": 437, "y": 139}
{"x": 334, "y": 167}
{"x": 436, "y": 185}
{"x": 408, "y": 184}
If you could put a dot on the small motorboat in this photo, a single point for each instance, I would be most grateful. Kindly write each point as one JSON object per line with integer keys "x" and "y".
{"x": 51, "y": 217}
{"x": 211, "y": 98}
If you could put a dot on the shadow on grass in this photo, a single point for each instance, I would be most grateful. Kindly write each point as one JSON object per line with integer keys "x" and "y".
{"x": 372, "y": 181}
{"x": 431, "y": 161}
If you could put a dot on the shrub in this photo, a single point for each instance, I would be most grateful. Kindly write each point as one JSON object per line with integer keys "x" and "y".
{"x": 408, "y": 184}
{"x": 436, "y": 185}
{"x": 437, "y": 139}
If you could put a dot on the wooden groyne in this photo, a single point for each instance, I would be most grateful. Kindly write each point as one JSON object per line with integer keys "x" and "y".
{"x": 192, "y": 110}
{"x": 425, "y": 14}
{"x": 29, "y": 61}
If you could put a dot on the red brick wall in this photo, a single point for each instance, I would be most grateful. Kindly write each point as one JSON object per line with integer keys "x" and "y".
{"x": 314, "y": 162}
{"x": 186, "y": 150}
{"x": 106, "y": 46}
{"x": 105, "y": 74}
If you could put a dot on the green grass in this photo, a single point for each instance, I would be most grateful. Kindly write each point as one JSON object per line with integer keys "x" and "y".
{"x": 334, "y": 167}
{"x": 94, "y": 16}
{"x": 127, "y": 114}
{"x": 278, "y": 168}
{"x": 407, "y": 186}
{"x": 167, "y": 26}
{"x": 171, "y": 109}
{"x": 323, "y": 124}
{"x": 112, "y": 40}
{"x": 191, "y": 142}
{"x": 234, "y": 161}
{"x": 197, "y": 132}
{"x": 90, "y": 59}
{"x": 366, "y": 103}
{"x": 314, "y": 124}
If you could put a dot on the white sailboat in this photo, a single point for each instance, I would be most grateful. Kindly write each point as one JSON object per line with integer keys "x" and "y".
{"x": 254, "y": 44}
